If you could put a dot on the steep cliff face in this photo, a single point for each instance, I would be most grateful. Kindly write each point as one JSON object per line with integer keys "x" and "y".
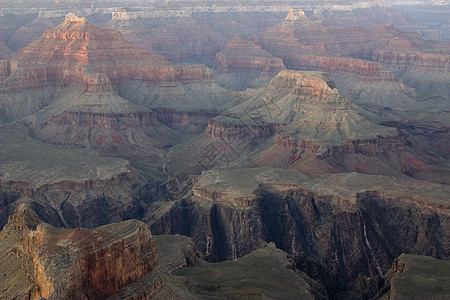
{"x": 336, "y": 227}
{"x": 95, "y": 83}
{"x": 86, "y": 190}
{"x": 81, "y": 263}
{"x": 429, "y": 73}
{"x": 416, "y": 59}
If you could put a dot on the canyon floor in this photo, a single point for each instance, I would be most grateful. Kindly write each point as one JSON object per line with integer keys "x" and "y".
{"x": 224, "y": 150}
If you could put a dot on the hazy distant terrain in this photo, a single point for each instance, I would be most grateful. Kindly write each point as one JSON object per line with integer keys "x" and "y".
{"x": 224, "y": 150}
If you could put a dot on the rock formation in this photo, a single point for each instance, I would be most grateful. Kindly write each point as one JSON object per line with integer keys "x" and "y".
{"x": 407, "y": 273}
{"x": 175, "y": 35}
{"x": 226, "y": 279}
{"x": 76, "y": 263}
{"x": 244, "y": 64}
{"x": 337, "y": 227}
{"x": 30, "y": 32}
{"x": 323, "y": 174}
{"x": 349, "y": 53}
{"x": 5, "y": 52}
{"x": 86, "y": 190}
{"x": 76, "y": 51}
{"x": 429, "y": 73}
{"x": 297, "y": 34}
{"x": 314, "y": 129}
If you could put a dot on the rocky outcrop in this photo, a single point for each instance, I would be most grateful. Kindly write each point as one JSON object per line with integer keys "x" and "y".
{"x": 66, "y": 187}
{"x": 234, "y": 130}
{"x": 190, "y": 121}
{"x": 244, "y": 64}
{"x": 406, "y": 271}
{"x": 337, "y": 227}
{"x": 284, "y": 141}
{"x": 65, "y": 59}
{"x": 401, "y": 61}
{"x": 115, "y": 121}
{"x": 176, "y": 252}
{"x": 95, "y": 83}
{"x": 312, "y": 86}
{"x": 81, "y": 263}
{"x": 366, "y": 147}
{"x": 365, "y": 71}
{"x": 243, "y": 54}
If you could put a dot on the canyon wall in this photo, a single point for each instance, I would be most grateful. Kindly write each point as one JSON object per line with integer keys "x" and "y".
{"x": 82, "y": 263}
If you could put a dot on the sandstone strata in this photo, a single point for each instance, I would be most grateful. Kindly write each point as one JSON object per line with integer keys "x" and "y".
{"x": 79, "y": 263}
{"x": 68, "y": 49}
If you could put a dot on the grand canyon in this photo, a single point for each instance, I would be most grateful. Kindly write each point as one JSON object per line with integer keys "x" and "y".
{"x": 224, "y": 149}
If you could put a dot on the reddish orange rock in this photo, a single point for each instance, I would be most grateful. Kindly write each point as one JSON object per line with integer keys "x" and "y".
{"x": 83, "y": 263}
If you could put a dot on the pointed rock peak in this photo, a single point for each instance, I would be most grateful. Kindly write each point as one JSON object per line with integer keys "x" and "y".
{"x": 296, "y": 19}
{"x": 296, "y": 14}
{"x": 23, "y": 219}
{"x": 70, "y": 17}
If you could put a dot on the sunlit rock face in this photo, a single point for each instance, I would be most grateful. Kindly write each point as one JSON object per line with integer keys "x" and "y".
{"x": 79, "y": 263}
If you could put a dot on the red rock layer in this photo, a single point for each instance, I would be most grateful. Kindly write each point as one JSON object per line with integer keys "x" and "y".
{"x": 284, "y": 141}
{"x": 25, "y": 79}
{"x": 76, "y": 47}
{"x": 297, "y": 34}
{"x": 242, "y": 54}
{"x": 365, "y": 147}
{"x": 82, "y": 263}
